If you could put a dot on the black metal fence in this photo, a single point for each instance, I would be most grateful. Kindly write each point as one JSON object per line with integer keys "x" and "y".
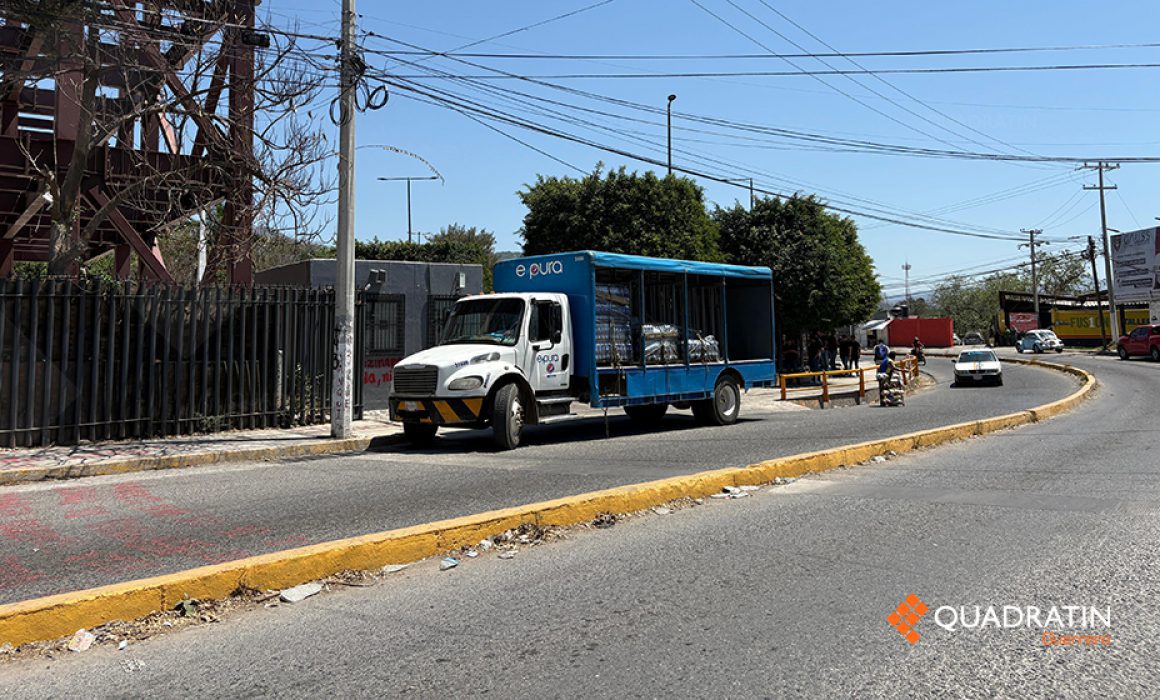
{"x": 91, "y": 361}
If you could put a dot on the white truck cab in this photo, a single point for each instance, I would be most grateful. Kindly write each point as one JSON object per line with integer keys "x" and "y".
{"x": 490, "y": 343}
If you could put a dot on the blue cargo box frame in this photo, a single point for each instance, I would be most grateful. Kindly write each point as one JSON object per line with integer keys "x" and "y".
{"x": 749, "y": 320}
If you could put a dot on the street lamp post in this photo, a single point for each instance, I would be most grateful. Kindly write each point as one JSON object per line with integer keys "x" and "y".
{"x": 669, "y": 112}
{"x": 752, "y": 197}
{"x": 409, "y": 179}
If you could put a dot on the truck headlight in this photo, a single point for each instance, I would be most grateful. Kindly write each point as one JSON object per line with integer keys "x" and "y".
{"x": 465, "y": 383}
{"x": 487, "y": 357}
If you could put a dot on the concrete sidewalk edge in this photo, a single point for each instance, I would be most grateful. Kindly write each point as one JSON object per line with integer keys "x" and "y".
{"x": 322, "y": 446}
{"x": 59, "y": 615}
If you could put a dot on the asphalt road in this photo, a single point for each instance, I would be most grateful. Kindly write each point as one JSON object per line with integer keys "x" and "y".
{"x": 783, "y": 593}
{"x": 62, "y": 537}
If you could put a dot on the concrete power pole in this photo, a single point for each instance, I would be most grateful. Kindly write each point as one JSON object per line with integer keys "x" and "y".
{"x": 1100, "y": 167}
{"x": 1091, "y": 256}
{"x": 1031, "y": 234}
{"x": 906, "y": 266}
{"x": 342, "y": 394}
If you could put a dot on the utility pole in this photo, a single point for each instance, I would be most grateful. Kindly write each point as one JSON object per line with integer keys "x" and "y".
{"x": 906, "y": 271}
{"x": 1091, "y": 256}
{"x": 669, "y": 112}
{"x": 1032, "y": 233}
{"x": 1100, "y": 167}
{"x": 342, "y": 394}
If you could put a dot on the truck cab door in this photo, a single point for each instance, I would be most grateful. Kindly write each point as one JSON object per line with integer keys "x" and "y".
{"x": 551, "y": 346}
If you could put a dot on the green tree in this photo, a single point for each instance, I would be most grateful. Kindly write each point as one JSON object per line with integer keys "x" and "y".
{"x": 974, "y": 303}
{"x": 466, "y": 244}
{"x": 619, "y": 212}
{"x": 822, "y": 276}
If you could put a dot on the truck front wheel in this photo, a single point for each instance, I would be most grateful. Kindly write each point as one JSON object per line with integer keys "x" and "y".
{"x": 507, "y": 417}
{"x": 420, "y": 434}
{"x": 724, "y": 407}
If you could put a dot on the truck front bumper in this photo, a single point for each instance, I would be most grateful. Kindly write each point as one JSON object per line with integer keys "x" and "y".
{"x": 437, "y": 410}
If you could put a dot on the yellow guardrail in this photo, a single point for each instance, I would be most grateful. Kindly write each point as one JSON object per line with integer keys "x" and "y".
{"x": 907, "y": 364}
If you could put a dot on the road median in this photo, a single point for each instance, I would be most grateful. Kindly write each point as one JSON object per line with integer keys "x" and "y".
{"x": 55, "y": 616}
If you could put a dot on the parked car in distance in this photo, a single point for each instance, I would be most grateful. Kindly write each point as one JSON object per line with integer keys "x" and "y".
{"x": 1143, "y": 340}
{"x": 978, "y": 366}
{"x": 955, "y": 339}
{"x": 974, "y": 338}
{"x": 1039, "y": 341}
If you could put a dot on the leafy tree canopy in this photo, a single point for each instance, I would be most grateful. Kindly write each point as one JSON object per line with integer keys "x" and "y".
{"x": 823, "y": 277}
{"x": 619, "y": 212}
{"x": 974, "y": 303}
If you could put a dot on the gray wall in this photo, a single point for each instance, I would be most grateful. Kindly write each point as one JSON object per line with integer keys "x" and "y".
{"x": 414, "y": 281}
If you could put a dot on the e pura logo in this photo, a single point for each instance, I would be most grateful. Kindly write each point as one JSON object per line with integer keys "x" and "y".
{"x": 906, "y": 616}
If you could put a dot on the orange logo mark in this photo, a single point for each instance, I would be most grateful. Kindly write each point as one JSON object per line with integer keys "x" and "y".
{"x": 906, "y": 616}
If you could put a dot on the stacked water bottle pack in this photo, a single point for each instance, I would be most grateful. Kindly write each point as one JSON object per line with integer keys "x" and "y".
{"x": 614, "y": 344}
{"x": 704, "y": 349}
{"x": 660, "y": 343}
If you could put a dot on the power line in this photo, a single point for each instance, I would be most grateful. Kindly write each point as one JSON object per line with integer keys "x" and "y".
{"x": 802, "y": 71}
{"x": 891, "y": 85}
{"x": 760, "y": 56}
{"x": 826, "y": 72}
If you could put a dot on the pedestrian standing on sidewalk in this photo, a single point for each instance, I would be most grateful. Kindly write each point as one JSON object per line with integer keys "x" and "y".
{"x": 881, "y": 351}
{"x": 855, "y": 352}
{"x": 831, "y": 351}
{"x": 844, "y": 351}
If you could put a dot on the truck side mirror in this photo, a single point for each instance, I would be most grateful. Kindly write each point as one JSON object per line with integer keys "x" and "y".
{"x": 557, "y": 336}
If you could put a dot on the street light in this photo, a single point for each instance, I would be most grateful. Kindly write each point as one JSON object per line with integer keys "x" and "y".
{"x": 409, "y": 179}
{"x": 669, "y": 111}
{"x": 752, "y": 198}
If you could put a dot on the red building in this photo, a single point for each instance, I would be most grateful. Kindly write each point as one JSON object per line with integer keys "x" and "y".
{"x": 933, "y": 332}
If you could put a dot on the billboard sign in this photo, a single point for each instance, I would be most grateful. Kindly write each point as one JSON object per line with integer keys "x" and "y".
{"x": 1134, "y": 265}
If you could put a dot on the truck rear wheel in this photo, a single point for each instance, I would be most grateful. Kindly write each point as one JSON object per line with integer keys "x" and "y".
{"x": 420, "y": 434}
{"x": 648, "y": 414}
{"x": 724, "y": 407}
{"x": 507, "y": 417}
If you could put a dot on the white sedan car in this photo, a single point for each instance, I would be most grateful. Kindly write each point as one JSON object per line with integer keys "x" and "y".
{"x": 977, "y": 367}
{"x": 1039, "y": 341}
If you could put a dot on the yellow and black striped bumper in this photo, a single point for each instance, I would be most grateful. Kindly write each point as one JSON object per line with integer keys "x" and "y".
{"x": 438, "y": 411}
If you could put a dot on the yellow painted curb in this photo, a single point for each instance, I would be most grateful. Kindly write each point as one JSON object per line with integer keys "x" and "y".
{"x": 60, "y": 615}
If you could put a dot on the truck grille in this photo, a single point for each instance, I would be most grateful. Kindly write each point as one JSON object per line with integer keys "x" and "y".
{"x": 418, "y": 380}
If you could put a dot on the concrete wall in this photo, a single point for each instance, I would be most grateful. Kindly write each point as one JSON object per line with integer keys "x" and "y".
{"x": 415, "y": 282}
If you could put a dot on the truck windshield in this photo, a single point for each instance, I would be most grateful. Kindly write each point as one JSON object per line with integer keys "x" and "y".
{"x": 495, "y": 321}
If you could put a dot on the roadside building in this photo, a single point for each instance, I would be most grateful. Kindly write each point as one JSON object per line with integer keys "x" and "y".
{"x": 403, "y": 309}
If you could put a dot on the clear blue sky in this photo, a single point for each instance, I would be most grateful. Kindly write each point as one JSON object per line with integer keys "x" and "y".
{"x": 1073, "y": 113}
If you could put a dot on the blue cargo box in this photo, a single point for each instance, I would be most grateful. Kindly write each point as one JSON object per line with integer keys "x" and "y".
{"x": 716, "y": 318}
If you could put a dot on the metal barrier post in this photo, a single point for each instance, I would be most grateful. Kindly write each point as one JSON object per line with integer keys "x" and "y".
{"x": 862, "y": 384}
{"x": 825, "y": 389}
{"x": 781, "y": 381}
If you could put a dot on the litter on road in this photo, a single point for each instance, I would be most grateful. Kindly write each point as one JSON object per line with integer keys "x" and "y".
{"x": 448, "y": 563}
{"x": 300, "y": 593}
{"x": 508, "y": 554}
{"x": 82, "y": 640}
{"x": 394, "y": 568}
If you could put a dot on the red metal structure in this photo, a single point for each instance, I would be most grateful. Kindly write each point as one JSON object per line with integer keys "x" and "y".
{"x": 149, "y": 105}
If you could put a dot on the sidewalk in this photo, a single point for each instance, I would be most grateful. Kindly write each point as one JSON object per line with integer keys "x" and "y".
{"x": 24, "y": 465}
{"x": 68, "y": 462}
